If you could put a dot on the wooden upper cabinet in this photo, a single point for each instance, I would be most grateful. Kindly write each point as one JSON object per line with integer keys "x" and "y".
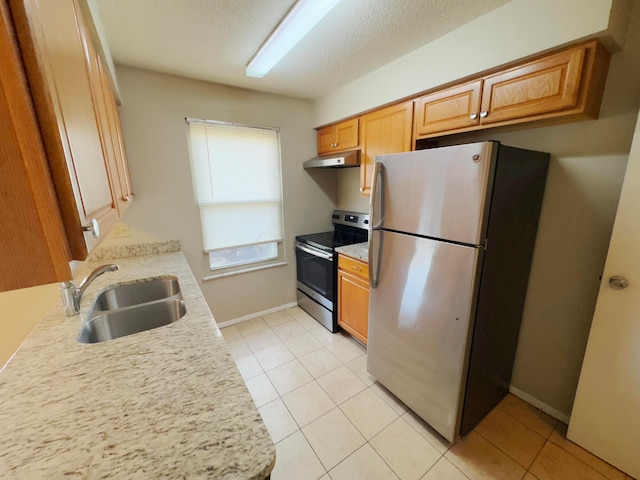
{"x": 544, "y": 86}
{"x": 553, "y": 88}
{"x": 125, "y": 193}
{"x": 448, "y": 109}
{"x": 384, "y": 131}
{"x": 52, "y": 42}
{"x": 338, "y": 137}
{"x": 32, "y": 237}
{"x": 110, "y": 131}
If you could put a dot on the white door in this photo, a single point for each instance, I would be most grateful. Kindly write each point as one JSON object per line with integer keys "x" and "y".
{"x": 606, "y": 413}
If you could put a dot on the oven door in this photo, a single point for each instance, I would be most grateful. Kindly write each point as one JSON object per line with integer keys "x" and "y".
{"x": 315, "y": 271}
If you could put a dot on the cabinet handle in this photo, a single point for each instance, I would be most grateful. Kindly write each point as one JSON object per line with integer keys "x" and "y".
{"x": 483, "y": 114}
{"x": 92, "y": 227}
{"x": 356, "y": 268}
{"x": 126, "y": 198}
{"x": 473, "y": 116}
{"x": 334, "y": 145}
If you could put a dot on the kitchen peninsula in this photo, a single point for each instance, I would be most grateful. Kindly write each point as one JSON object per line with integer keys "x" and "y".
{"x": 167, "y": 402}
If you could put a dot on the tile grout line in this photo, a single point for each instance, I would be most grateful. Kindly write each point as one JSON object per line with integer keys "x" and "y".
{"x": 326, "y": 472}
{"x": 376, "y": 452}
{"x": 442, "y": 456}
{"x": 243, "y": 336}
{"x": 524, "y": 424}
{"x": 337, "y": 406}
{"x": 584, "y": 463}
{"x": 534, "y": 460}
{"x": 508, "y": 455}
{"x": 430, "y": 443}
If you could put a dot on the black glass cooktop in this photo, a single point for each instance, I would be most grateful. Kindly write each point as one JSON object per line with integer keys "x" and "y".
{"x": 330, "y": 240}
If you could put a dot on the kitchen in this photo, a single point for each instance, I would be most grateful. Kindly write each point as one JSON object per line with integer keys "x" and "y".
{"x": 584, "y": 181}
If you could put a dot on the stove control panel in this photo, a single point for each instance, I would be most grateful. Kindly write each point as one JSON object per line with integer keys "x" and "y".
{"x": 354, "y": 219}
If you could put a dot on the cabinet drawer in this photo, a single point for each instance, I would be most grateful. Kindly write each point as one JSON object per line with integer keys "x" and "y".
{"x": 353, "y": 266}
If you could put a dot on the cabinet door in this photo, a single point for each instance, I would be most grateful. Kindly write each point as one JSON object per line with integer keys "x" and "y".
{"x": 449, "y": 109}
{"x": 540, "y": 87}
{"x": 384, "y": 131}
{"x": 326, "y": 139}
{"x": 51, "y": 42}
{"x": 338, "y": 137}
{"x": 347, "y": 134}
{"x": 110, "y": 132}
{"x": 353, "y": 305}
{"x": 118, "y": 140}
{"x": 32, "y": 237}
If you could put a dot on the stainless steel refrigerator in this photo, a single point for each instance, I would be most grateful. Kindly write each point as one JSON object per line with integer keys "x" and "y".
{"x": 451, "y": 242}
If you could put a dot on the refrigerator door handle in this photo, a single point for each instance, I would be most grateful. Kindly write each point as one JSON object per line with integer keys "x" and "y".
{"x": 374, "y": 257}
{"x": 377, "y": 217}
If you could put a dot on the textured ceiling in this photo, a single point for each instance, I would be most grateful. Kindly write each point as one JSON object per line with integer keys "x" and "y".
{"x": 214, "y": 39}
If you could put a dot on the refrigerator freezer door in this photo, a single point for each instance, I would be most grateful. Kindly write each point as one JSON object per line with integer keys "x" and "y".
{"x": 438, "y": 193}
{"x": 419, "y": 324}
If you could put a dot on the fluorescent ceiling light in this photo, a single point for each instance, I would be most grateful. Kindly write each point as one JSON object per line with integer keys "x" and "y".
{"x": 302, "y": 17}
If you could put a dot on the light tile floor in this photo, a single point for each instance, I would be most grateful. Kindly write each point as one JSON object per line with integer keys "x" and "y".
{"x": 329, "y": 418}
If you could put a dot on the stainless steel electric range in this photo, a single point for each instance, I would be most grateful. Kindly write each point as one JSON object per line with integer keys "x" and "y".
{"x": 317, "y": 264}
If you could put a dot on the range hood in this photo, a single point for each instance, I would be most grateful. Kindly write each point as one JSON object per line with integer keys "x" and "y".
{"x": 344, "y": 159}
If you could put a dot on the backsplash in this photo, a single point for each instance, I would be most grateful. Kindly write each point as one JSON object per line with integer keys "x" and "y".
{"x": 115, "y": 252}
{"x": 349, "y": 197}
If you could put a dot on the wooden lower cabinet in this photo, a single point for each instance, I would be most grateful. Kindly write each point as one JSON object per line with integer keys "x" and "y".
{"x": 353, "y": 297}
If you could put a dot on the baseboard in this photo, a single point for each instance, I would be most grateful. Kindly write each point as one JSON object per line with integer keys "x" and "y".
{"x": 538, "y": 404}
{"x": 251, "y": 316}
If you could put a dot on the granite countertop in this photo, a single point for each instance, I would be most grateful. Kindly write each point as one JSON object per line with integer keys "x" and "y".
{"x": 167, "y": 402}
{"x": 357, "y": 250}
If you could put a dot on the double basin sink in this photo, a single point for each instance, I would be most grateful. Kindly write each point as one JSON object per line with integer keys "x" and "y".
{"x": 134, "y": 307}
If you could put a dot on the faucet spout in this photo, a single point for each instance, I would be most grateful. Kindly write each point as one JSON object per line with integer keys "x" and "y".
{"x": 72, "y": 294}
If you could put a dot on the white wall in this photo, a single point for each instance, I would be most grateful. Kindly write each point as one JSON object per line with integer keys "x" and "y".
{"x": 584, "y": 182}
{"x": 20, "y": 312}
{"x": 153, "y": 111}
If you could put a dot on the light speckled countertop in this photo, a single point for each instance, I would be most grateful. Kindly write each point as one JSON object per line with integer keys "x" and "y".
{"x": 167, "y": 402}
{"x": 357, "y": 250}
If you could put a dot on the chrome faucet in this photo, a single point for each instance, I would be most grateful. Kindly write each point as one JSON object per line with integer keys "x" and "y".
{"x": 71, "y": 295}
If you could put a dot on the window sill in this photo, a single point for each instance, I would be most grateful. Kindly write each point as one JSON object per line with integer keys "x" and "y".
{"x": 244, "y": 270}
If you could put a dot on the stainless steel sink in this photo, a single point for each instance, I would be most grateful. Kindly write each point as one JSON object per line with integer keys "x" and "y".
{"x": 127, "y": 321}
{"x": 125, "y": 295}
{"x": 131, "y": 308}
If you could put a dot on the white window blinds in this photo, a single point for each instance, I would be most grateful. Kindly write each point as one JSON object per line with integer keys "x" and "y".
{"x": 236, "y": 171}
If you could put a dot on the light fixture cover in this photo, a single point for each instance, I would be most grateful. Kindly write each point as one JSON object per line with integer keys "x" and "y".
{"x": 302, "y": 17}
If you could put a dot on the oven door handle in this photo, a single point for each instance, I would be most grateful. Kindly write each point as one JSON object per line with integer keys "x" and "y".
{"x": 314, "y": 252}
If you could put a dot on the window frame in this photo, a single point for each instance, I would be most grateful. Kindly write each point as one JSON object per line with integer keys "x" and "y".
{"x": 248, "y": 266}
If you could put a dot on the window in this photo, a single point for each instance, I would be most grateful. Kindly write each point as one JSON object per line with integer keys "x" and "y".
{"x": 236, "y": 176}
